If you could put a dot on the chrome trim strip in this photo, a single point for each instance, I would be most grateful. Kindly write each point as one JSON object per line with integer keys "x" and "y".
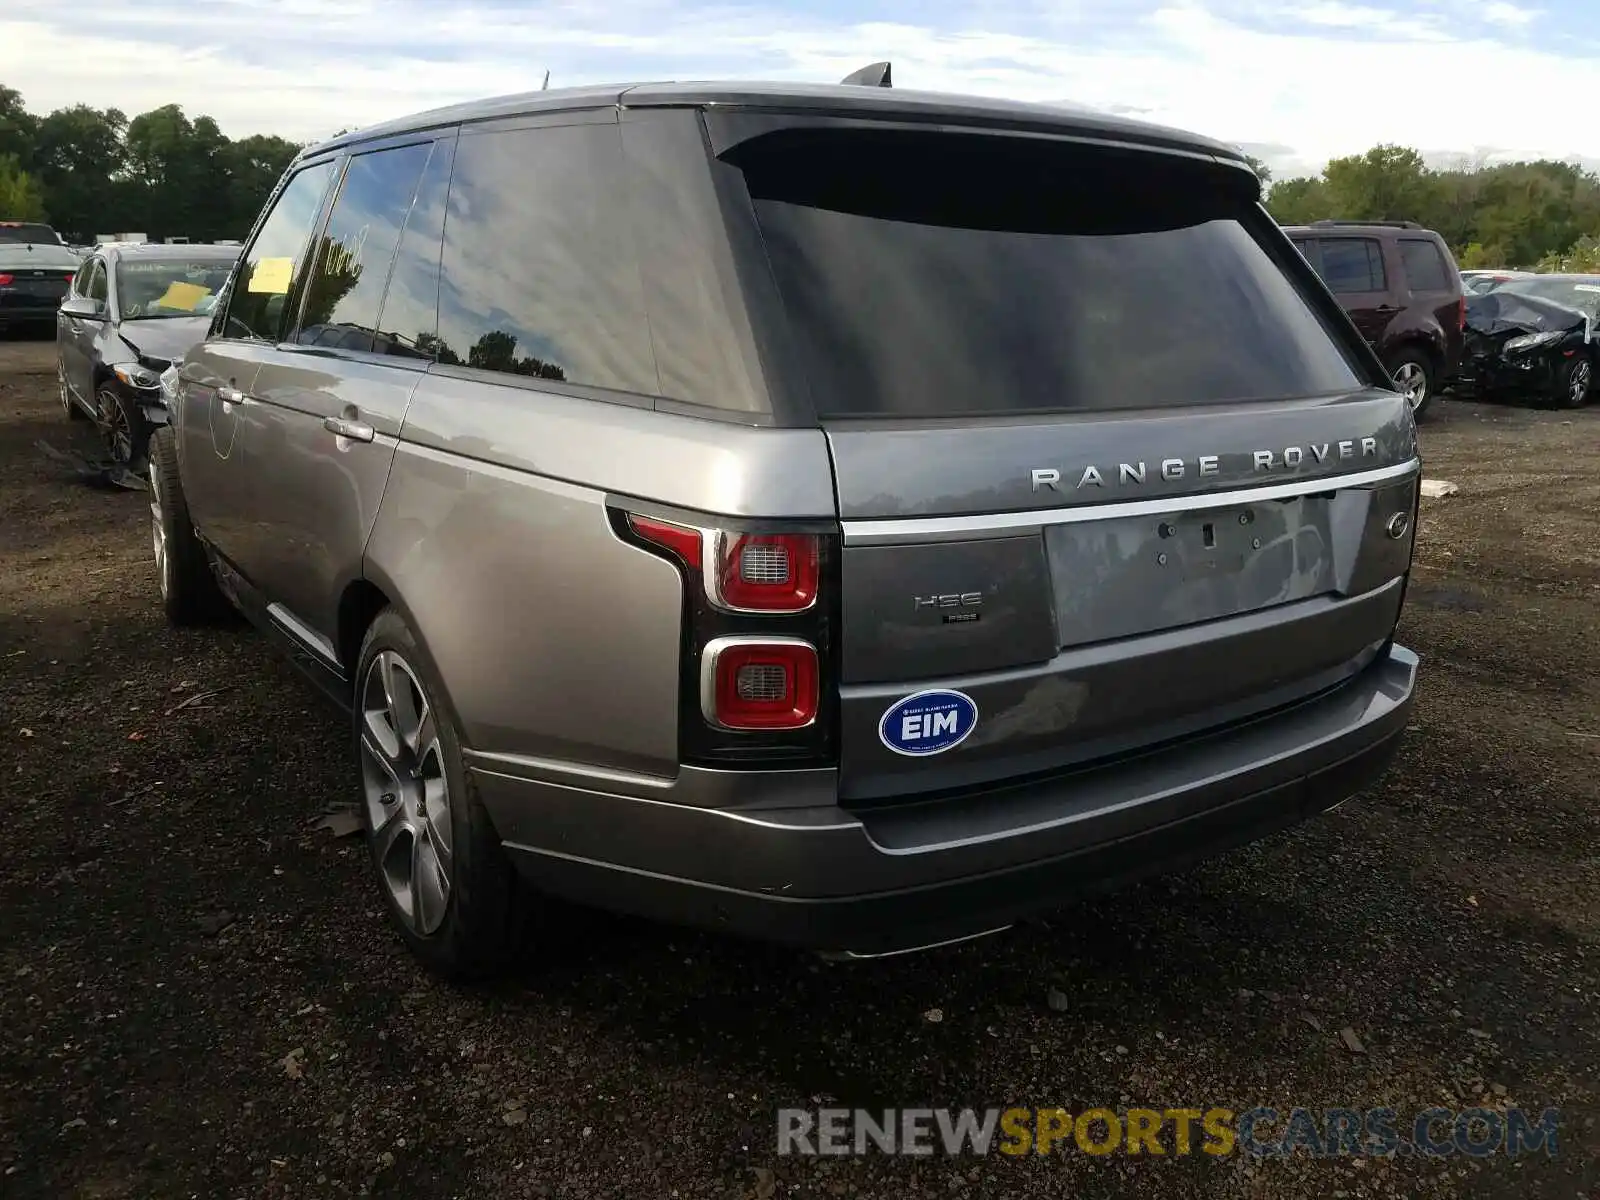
{"x": 868, "y": 955}
{"x": 303, "y": 633}
{"x": 897, "y": 529}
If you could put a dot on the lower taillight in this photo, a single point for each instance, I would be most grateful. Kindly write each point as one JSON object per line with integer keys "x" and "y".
{"x": 5, "y": 280}
{"x": 755, "y": 683}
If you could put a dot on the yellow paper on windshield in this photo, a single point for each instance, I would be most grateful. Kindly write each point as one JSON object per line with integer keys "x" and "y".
{"x": 183, "y": 296}
{"x": 272, "y": 276}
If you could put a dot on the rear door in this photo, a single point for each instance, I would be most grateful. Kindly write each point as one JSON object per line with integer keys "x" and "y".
{"x": 1354, "y": 270}
{"x": 1435, "y": 286}
{"x": 1109, "y": 472}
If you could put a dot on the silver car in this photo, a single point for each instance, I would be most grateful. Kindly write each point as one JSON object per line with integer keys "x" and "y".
{"x": 849, "y": 517}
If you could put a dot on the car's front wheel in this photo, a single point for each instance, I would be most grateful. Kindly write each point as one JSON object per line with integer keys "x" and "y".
{"x": 1412, "y": 372}
{"x": 1575, "y": 382}
{"x": 125, "y": 430}
{"x": 440, "y": 868}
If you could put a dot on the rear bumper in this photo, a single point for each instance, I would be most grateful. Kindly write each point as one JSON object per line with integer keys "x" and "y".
{"x": 789, "y": 865}
{"x": 28, "y": 310}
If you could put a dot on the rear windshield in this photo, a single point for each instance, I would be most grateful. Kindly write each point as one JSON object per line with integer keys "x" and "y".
{"x": 21, "y": 231}
{"x": 942, "y": 275}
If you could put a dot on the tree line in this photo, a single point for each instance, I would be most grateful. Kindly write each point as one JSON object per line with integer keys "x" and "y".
{"x": 1541, "y": 215}
{"x": 89, "y": 170}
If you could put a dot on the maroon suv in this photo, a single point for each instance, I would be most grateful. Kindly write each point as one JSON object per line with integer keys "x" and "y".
{"x": 1400, "y": 284}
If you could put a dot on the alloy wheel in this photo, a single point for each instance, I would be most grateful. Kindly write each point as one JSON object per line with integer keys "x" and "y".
{"x": 406, "y": 792}
{"x": 116, "y": 428}
{"x": 1578, "y": 383}
{"x": 1412, "y": 381}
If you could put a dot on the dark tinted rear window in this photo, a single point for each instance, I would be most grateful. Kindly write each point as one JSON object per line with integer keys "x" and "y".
{"x": 937, "y": 275}
{"x": 23, "y": 231}
{"x": 357, "y": 248}
{"x": 540, "y": 276}
{"x": 1425, "y": 266}
{"x": 1352, "y": 264}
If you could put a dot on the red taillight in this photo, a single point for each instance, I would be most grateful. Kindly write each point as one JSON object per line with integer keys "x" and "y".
{"x": 765, "y": 572}
{"x": 682, "y": 540}
{"x": 757, "y": 683}
{"x": 760, "y": 611}
{"x": 5, "y": 280}
{"x": 744, "y": 572}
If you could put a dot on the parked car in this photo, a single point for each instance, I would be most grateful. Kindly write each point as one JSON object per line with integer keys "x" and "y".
{"x": 1536, "y": 336}
{"x": 834, "y": 524}
{"x": 29, "y": 233}
{"x": 35, "y": 269}
{"x": 131, "y": 312}
{"x": 1475, "y": 283}
{"x": 1400, "y": 285}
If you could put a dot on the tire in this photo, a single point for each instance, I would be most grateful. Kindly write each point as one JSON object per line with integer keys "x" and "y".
{"x": 1575, "y": 384}
{"x": 124, "y": 429}
{"x": 189, "y": 590}
{"x": 423, "y": 820}
{"x": 1413, "y": 375}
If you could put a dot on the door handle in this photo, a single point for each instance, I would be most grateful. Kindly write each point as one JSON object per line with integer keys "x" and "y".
{"x": 230, "y": 395}
{"x": 356, "y": 431}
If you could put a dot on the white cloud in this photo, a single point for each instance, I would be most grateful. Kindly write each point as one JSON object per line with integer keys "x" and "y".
{"x": 1310, "y": 78}
{"x": 1508, "y": 14}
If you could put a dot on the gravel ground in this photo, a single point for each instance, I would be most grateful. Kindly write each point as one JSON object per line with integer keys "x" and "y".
{"x": 199, "y": 997}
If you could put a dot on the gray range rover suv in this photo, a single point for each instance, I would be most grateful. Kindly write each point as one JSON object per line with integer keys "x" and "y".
{"x": 843, "y": 516}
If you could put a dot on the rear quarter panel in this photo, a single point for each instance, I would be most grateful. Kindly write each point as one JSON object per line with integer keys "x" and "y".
{"x": 555, "y": 639}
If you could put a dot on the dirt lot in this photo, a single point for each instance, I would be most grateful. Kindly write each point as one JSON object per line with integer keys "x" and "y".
{"x": 198, "y": 996}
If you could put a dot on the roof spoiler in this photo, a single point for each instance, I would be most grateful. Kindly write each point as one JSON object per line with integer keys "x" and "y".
{"x": 875, "y": 75}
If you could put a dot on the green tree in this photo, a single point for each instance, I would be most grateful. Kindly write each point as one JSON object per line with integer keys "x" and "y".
{"x": 19, "y": 128}
{"x": 78, "y": 158}
{"x": 1387, "y": 183}
{"x": 1299, "y": 201}
{"x": 21, "y": 198}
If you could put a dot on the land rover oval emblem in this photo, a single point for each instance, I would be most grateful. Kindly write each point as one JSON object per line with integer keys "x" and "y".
{"x": 928, "y": 722}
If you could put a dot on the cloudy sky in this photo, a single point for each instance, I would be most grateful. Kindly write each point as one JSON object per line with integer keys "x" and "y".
{"x": 1294, "y": 81}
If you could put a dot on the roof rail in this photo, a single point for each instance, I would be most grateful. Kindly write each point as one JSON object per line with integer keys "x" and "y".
{"x": 1394, "y": 224}
{"x": 874, "y": 75}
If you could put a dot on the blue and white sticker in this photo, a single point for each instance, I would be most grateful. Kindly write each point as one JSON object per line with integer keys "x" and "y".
{"x": 928, "y": 722}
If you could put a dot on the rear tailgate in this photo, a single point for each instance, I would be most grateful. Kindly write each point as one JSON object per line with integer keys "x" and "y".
{"x": 1111, "y": 466}
{"x": 1082, "y": 627}
{"x": 34, "y": 287}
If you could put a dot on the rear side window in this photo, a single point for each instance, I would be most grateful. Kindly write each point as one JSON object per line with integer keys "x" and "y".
{"x": 1425, "y": 266}
{"x": 273, "y": 270}
{"x": 1352, "y": 264}
{"x": 356, "y": 250}
{"x": 944, "y": 275}
{"x": 539, "y": 274}
{"x": 409, "y": 324}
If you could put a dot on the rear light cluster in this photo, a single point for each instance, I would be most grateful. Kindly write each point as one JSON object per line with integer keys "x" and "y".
{"x": 5, "y": 280}
{"x": 758, "y": 633}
